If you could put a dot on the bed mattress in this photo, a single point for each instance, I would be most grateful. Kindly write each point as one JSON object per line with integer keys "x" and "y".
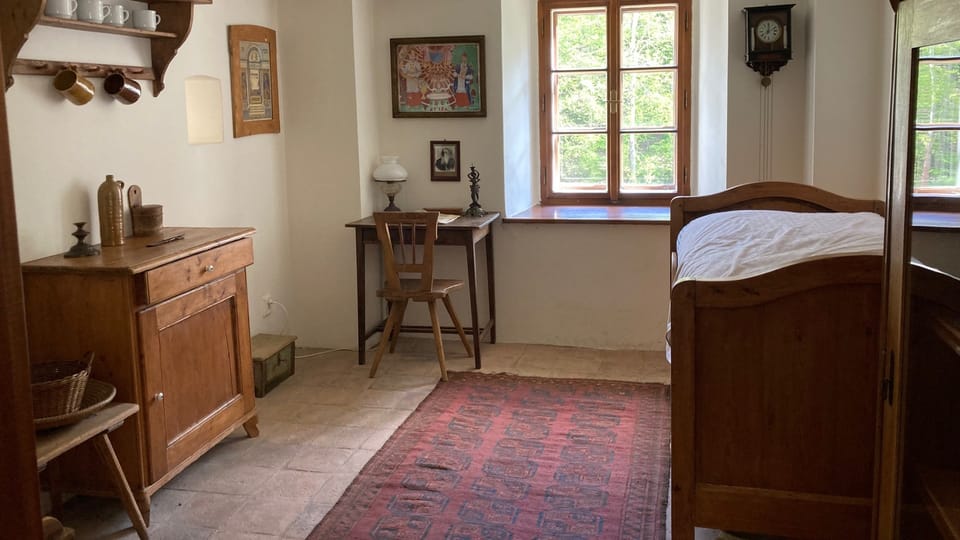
{"x": 744, "y": 243}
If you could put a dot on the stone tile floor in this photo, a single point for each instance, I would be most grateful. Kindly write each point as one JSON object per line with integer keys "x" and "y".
{"x": 318, "y": 429}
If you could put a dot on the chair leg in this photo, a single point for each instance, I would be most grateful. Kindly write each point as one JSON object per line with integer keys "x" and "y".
{"x": 396, "y": 327}
{"x": 456, "y": 323}
{"x": 437, "y": 338}
{"x": 387, "y": 329}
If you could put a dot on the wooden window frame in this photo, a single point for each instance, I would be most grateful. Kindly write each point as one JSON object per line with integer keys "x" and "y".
{"x": 613, "y": 195}
{"x": 933, "y": 200}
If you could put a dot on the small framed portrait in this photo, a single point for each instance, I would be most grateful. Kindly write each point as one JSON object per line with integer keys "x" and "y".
{"x": 445, "y": 161}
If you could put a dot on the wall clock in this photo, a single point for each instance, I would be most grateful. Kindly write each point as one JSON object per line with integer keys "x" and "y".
{"x": 768, "y": 38}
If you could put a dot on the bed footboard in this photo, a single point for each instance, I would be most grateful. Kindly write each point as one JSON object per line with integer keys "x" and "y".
{"x": 775, "y": 382}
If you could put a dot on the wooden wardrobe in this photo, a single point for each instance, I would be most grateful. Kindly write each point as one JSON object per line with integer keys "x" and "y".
{"x": 918, "y": 474}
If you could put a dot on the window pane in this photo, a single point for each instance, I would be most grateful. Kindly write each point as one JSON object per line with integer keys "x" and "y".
{"x": 581, "y": 163}
{"x": 648, "y": 37}
{"x": 937, "y": 159}
{"x": 581, "y": 100}
{"x": 648, "y": 161}
{"x": 648, "y": 99}
{"x": 938, "y": 93}
{"x": 580, "y": 39}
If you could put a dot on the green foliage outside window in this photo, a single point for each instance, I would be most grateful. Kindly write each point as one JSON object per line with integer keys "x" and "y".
{"x": 647, "y": 100}
{"x": 937, "y": 151}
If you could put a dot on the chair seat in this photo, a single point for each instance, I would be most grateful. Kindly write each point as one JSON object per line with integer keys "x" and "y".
{"x": 410, "y": 289}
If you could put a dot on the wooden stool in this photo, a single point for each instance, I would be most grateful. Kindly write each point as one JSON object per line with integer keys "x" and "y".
{"x": 52, "y": 444}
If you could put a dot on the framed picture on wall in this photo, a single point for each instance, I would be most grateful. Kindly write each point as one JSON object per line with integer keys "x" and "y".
{"x": 253, "y": 80}
{"x": 445, "y": 161}
{"x": 438, "y": 77}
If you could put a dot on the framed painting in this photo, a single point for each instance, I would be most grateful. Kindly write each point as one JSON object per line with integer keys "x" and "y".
{"x": 438, "y": 77}
{"x": 253, "y": 80}
{"x": 445, "y": 161}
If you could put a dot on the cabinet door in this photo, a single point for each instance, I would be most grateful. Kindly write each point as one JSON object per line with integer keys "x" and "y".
{"x": 918, "y": 493}
{"x": 197, "y": 373}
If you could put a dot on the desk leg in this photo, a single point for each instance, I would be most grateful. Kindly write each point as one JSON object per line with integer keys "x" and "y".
{"x": 105, "y": 449}
{"x": 472, "y": 279}
{"x": 491, "y": 289}
{"x": 361, "y": 300}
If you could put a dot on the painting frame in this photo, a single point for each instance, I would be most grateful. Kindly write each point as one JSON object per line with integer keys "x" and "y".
{"x": 430, "y": 84}
{"x": 441, "y": 168}
{"x": 255, "y": 99}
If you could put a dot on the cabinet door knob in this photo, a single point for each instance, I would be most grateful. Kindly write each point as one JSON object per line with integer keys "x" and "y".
{"x": 159, "y": 396}
{"x": 209, "y": 268}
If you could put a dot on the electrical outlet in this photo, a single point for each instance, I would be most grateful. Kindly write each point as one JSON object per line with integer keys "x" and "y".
{"x": 268, "y": 303}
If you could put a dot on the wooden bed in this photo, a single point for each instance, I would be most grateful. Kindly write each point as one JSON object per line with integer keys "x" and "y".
{"x": 775, "y": 384}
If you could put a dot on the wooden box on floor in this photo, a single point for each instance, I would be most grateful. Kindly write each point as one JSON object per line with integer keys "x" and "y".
{"x": 274, "y": 360}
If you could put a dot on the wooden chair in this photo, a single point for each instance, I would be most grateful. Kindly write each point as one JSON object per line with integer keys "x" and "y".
{"x": 413, "y": 234}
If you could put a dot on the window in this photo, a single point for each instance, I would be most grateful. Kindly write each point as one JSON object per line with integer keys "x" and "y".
{"x": 936, "y": 168}
{"x": 614, "y": 101}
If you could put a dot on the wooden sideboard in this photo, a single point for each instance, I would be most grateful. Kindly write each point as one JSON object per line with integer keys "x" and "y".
{"x": 170, "y": 328}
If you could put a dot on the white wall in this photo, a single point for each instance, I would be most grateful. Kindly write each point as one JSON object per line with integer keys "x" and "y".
{"x": 481, "y": 139}
{"x": 746, "y": 96}
{"x": 521, "y": 149}
{"x": 61, "y": 152}
{"x": 711, "y": 60}
{"x": 369, "y": 107}
{"x": 844, "y": 153}
{"x": 323, "y": 165}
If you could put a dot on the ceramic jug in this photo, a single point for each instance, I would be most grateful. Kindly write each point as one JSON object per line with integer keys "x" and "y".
{"x": 110, "y": 207}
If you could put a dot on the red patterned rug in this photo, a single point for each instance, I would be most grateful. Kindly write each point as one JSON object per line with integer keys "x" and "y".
{"x": 506, "y": 457}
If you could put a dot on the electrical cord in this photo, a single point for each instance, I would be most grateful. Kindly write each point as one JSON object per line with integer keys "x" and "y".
{"x": 321, "y": 353}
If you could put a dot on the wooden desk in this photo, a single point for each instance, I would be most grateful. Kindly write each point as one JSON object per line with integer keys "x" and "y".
{"x": 465, "y": 231}
{"x": 54, "y": 443}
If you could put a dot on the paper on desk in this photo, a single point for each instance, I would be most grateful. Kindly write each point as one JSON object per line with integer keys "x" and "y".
{"x": 447, "y": 218}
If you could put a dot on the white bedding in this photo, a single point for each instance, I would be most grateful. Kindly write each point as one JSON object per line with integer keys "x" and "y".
{"x": 744, "y": 243}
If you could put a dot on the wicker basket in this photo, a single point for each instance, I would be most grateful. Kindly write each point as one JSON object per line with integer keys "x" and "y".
{"x": 58, "y": 387}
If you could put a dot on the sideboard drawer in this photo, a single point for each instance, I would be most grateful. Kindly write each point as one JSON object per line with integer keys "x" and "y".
{"x": 193, "y": 271}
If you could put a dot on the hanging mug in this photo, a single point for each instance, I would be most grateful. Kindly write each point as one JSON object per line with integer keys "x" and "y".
{"x": 122, "y": 88}
{"x": 73, "y": 86}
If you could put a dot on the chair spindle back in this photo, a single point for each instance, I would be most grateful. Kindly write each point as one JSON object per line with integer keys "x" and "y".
{"x": 400, "y": 234}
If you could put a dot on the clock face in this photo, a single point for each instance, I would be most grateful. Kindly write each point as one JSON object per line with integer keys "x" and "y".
{"x": 769, "y": 30}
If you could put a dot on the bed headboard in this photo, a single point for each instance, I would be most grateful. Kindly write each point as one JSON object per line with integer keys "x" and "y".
{"x": 788, "y": 196}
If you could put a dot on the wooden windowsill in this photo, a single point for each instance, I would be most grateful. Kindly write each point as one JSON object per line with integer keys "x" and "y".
{"x": 607, "y": 215}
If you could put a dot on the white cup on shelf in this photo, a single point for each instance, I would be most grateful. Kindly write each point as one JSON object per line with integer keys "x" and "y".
{"x": 94, "y": 11}
{"x": 62, "y": 9}
{"x": 146, "y": 19}
{"x": 118, "y": 16}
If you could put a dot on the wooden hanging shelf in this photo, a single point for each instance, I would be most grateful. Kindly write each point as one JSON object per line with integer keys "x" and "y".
{"x": 102, "y": 28}
{"x": 24, "y": 66}
{"x": 18, "y": 18}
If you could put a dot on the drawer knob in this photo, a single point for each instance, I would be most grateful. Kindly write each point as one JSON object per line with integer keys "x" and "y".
{"x": 209, "y": 268}
{"x": 159, "y": 396}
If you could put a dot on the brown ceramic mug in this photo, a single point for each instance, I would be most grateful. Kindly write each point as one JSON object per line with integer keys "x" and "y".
{"x": 121, "y": 87}
{"x": 75, "y": 87}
